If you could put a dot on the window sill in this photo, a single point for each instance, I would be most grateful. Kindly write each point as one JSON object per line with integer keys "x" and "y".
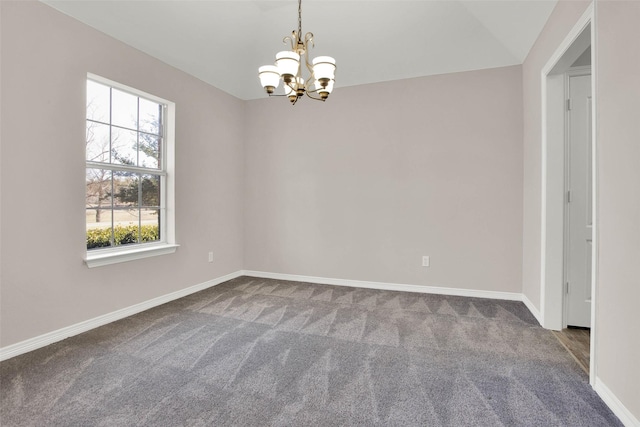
{"x": 99, "y": 259}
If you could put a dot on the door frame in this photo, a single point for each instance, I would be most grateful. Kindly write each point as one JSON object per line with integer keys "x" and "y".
{"x": 552, "y": 226}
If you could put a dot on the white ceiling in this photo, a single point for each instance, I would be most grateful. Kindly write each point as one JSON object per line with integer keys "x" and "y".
{"x": 224, "y": 42}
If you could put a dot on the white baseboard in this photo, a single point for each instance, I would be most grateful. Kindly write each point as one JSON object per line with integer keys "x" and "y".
{"x": 532, "y": 308}
{"x": 69, "y": 331}
{"x": 621, "y": 411}
{"x": 511, "y": 296}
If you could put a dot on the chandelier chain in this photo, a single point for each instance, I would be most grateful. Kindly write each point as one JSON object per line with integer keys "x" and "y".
{"x": 299, "y": 20}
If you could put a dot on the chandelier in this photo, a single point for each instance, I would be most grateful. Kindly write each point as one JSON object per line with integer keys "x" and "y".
{"x": 321, "y": 71}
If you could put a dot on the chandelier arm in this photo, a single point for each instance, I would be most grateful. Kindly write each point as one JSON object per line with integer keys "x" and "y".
{"x": 293, "y": 88}
{"x": 309, "y": 67}
{"x": 308, "y": 38}
{"x": 282, "y": 94}
{"x": 291, "y": 40}
{"x": 315, "y": 99}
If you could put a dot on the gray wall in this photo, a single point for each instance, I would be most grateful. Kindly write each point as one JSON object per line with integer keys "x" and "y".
{"x": 45, "y": 285}
{"x": 362, "y": 186}
{"x": 618, "y": 115}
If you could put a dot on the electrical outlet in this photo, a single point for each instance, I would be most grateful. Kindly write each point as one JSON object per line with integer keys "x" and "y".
{"x": 210, "y": 256}
{"x": 425, "y": 261}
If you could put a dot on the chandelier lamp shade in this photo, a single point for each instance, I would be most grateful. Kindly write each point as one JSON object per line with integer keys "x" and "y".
{"x": 316, "y": 81}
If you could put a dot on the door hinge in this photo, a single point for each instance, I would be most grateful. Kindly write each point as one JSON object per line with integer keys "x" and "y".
{"x": 566, "y": 288}
{"x": 569, "y": 196}
{"x": 568, "y": 104}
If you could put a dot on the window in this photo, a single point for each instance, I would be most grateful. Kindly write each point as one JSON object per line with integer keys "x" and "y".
{"x": 129, "y": 173}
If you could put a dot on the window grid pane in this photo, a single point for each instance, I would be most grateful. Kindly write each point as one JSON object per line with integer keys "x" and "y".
{"x": 123, "y": 205}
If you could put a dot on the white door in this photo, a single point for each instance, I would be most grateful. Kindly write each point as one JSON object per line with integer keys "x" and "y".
{"x": 579, "y": 202}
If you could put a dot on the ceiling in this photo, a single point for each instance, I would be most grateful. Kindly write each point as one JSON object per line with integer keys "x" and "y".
{"x": 224, "y": 42}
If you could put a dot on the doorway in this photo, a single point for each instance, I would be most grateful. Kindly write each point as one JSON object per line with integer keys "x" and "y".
{"x": 555, "y": 194}
{"x": 578, "y": 226}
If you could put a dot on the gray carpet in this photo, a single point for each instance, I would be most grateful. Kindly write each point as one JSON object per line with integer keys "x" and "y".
{"x": 257, "y": 352}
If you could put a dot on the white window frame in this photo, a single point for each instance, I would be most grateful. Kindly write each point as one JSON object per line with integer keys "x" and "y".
{"x": 167, "y": 243}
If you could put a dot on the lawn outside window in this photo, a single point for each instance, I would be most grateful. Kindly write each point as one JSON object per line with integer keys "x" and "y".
{"x": 129, "y": 173}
